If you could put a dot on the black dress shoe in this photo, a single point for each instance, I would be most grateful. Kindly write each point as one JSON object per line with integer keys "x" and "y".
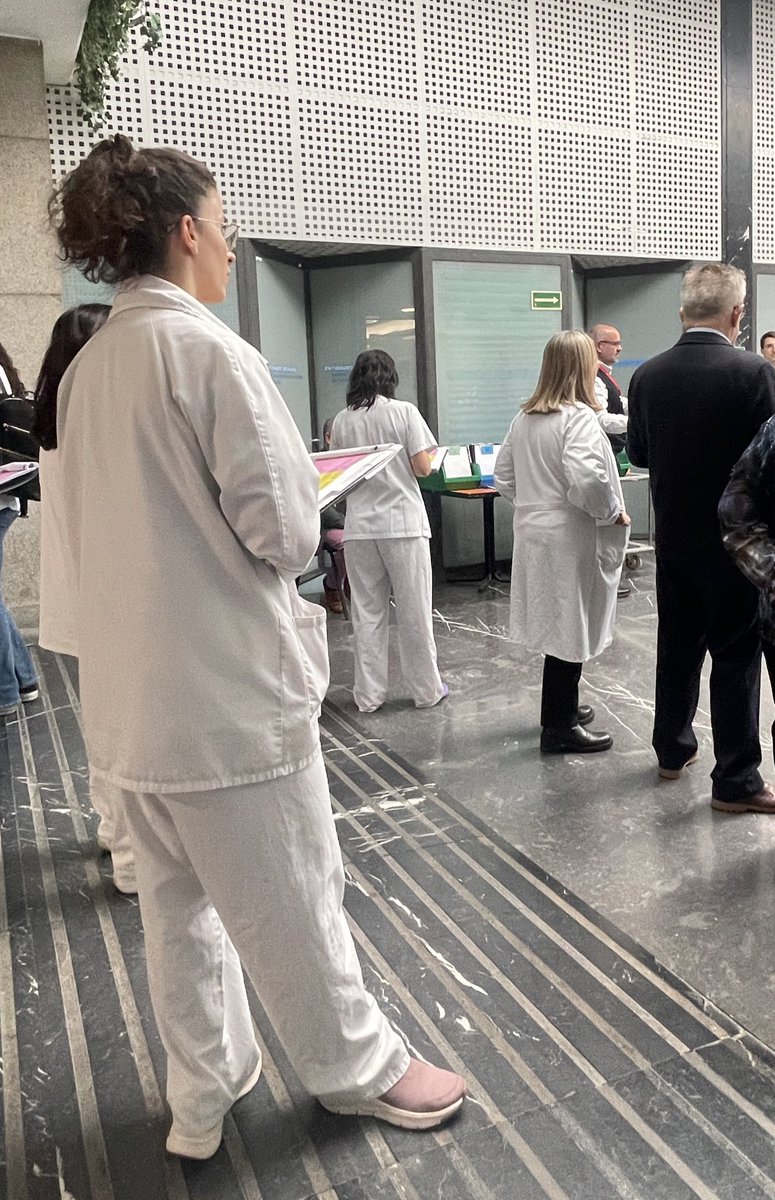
{"x": 585, "y": 714}
{"x": 575, "y": 740}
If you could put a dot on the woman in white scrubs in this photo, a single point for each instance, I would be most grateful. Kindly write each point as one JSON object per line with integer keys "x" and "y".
{"x": 386, "y": 537}
{"x": 189, "y": 505}
{"x": 570, "y": 535}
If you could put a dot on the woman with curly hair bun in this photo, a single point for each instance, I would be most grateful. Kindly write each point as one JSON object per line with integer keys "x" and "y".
{"x": 190, "y": 505}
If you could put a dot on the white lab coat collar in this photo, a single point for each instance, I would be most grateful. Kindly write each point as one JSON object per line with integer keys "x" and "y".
{"x": 151, "y": 291}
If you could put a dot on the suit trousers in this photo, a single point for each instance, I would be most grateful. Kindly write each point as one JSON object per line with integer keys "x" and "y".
{"x": 559, "y": 693}
{"x": 252, "y": 877}
{"x": 373, "y": 567}
{"x": 704, "y": 604}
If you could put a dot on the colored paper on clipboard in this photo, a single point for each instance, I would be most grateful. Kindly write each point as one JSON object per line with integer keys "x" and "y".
{"x": 15, "y": 473}
{"x": 343, "y": 470}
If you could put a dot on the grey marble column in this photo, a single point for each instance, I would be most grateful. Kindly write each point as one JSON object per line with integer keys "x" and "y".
{"x": 737, "y": 148}
{"x": 30, "y": 290}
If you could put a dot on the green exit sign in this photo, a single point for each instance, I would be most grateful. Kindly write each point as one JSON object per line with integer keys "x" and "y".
{"x": 547, "y": 301}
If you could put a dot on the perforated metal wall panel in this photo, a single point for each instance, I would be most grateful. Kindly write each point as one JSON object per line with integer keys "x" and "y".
{"x": 764, "y": 131}
{"x": 588, "y": 125}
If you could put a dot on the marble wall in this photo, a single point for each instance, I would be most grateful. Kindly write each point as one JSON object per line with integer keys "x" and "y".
{"x": 30, "y": 287}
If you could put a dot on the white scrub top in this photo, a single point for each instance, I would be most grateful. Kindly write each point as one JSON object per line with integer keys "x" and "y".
{"x": 389, "y": 505}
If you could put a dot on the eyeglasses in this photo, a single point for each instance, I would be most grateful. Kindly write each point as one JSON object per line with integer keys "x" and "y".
{"x": 228, "y": 229}
{"x": 608, "y": 342}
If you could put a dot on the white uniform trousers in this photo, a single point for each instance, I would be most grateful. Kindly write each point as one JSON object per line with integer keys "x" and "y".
{"x": 113, "y": 832}
{"x": 372, "y": 568}
{"x": 254, "y": 873}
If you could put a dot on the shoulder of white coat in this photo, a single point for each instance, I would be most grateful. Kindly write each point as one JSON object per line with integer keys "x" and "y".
{"x": 580, "y": 414}
{"x": 582, "y": 422}
{"x": 202, "y": 344}
{"x": 516, "y": 420}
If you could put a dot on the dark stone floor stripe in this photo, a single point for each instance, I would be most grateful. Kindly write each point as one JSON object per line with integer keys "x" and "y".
{"x": 388, "y": 847}
{"x": 527, "y": 882}
{"x": 128, "y": 1093}
{"x": 598, "y": 1074}
{"x": 556, "y": 1073}
{"x": 49, "y": 1128}
{"x": 480, "y": 1002}
{"x": 602, "y": 998}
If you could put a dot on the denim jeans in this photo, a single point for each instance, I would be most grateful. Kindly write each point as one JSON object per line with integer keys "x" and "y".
{"x": 16, "y": 666}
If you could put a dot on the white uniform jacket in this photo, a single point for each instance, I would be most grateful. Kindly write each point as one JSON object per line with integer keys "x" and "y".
{"x": 560, "y": 472}
{"x": 189, "y": 503}
{"x": 389, "y": 505}
{"x": 58, "y": 587}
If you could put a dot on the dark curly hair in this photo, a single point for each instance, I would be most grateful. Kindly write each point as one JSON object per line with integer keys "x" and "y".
{"x": 71, "y": 331}
{"x": 374, "y": 374}
{"x": 12, "y": 375}
{"x": 114, "y": 212}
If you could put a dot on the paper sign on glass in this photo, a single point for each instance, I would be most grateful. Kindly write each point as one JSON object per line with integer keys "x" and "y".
{"x": 343, "y": 470}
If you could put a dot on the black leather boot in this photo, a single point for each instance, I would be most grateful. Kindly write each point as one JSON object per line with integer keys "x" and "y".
{"x": 575, "y": 740}
{"x": 585, "y": 714}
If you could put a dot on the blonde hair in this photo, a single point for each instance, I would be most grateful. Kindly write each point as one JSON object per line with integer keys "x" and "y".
{"x": 567, "y": 375}
{"x": 711, "y": 290}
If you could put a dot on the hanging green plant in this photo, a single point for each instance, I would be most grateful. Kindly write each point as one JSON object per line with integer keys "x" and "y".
{"x": 104, "y": 42}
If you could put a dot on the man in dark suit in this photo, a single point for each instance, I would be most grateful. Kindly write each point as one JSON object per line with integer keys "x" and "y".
{"x": 692, "y": 412}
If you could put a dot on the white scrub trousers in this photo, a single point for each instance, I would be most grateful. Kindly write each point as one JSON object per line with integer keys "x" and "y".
{"x": 113, "y": 832}
{"x": 372, "y": 568}
{"x": 253, "y": 873}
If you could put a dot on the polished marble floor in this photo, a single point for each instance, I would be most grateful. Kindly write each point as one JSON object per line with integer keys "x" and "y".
{"x": 589, "y": 947}
{"x": 695, "y": 887}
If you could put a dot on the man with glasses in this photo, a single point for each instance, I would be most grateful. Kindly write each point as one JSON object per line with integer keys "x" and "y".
{"x": 693, "y": 411}
{"x": 613, "y": 411}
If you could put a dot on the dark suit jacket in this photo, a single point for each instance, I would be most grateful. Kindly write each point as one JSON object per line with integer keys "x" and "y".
{"x": 693, "y": 411}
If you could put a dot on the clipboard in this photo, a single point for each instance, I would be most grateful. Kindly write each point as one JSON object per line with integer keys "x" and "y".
{"x": 15, "y": 473}
{"x": 341, "y": 471}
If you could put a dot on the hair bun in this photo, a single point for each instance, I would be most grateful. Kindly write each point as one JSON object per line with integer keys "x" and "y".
{"x": 113, "y": 213}
{"x": 122, "y": 147}
{"x": 117, "y": 149}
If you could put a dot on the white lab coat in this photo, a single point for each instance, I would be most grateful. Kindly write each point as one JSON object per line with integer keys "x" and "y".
{"x": 560, "y": 472}
{"x": 57, "y": 632}
{"x": 58, "y": 590}
{"x": 189, "y": 503}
